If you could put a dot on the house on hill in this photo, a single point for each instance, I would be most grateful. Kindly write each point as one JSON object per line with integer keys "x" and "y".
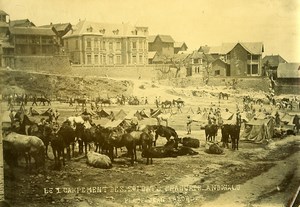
{"x": 162, "y": 44}
{"x": 179, "y": 46}
{"x": 288, "y": 78}
{"x": 243, "y": 58}
{"x": 270, "y": 64}
{"x": 94, "y": 43}
{"x": 61, "y": 29}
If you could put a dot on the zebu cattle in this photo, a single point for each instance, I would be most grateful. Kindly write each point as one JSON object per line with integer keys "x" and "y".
{"x": 211, "y": 132}
{"x": 27, "y": 146}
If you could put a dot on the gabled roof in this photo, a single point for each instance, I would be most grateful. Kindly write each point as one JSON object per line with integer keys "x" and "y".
{"x": 3, "y": 12}
{"x": 204, "y": 49}
{"x": 225, "y": 48}
{"x": 163, "y": 38}
{"x": 179, "y": 57}
{"x": 102, "y": 29}
{"x": 31, "y": 31}
{"x": 21, "y": 23}
{"x": 200, "y": 55}
{"x": 273, "y": 60}
{"x": 288, "y": 70}
{"x": 179, "y": 44}
{"x": 58, "y": 27}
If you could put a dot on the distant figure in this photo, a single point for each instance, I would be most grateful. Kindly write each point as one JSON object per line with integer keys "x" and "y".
{"x": 277, "y": 119}
{"x": 34, "y": 100}
{"x": 189, "y": 125}
{"x": 146, "y": 101}
{"x": 296, "y": 122}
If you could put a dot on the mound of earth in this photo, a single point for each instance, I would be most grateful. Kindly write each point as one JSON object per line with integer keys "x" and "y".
{"x": 61, "y": 85}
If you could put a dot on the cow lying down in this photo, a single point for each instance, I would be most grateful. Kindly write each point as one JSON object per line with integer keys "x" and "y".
{"x": 16, "y": 145}
{"x": 98, "y": 160}
{"x": 163, "y": 151}
{"x": 190, "y": 142}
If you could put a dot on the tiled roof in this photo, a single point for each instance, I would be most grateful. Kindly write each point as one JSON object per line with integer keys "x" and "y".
{"x": 251, "y": 47}
{"x": 103, "y": 29}
{"x": 21, "y": 23}
{"x": 288, "y": 70}
{"x": 163, "y": 38}
{"x": 58, "y": 27}
{"x": 273, "y": 60}
{"x": 31, "y": 31}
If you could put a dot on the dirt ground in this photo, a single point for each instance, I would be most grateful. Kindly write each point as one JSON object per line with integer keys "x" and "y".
{"x": 255, "y": 175}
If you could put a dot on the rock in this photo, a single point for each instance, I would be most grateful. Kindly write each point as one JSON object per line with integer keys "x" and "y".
{"x": 98, "y": 160}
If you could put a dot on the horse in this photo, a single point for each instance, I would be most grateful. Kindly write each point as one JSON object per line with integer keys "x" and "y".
{"x": 164, "y": 117}
{"x": 178, "y": 102}
{"x": 166, "y": 104}
{"x": 223, "y": 95}
{"x": 80, "y": 101}
{"x": 167, "y": 132}
{"x": 118, "y": 138}
{"x": 44, "y": 100}
{"x": 67, "y": 134}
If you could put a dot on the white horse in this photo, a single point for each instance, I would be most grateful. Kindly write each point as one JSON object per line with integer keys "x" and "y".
{"x": 164, "y": 117}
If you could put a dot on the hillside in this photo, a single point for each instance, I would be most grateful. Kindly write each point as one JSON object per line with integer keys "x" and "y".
{"x": 61, "y": 85}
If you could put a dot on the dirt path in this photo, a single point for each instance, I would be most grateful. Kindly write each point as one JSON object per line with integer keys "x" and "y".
{"x": 267, "y": 183}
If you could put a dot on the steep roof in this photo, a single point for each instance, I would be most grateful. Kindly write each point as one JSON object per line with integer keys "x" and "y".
{"x": 288, "y": 70}
{"x": 179, "y": 44}
{"x": 58, "y": 27}
{"x": 3, "y": 12}
{"x": 251, "y": 47}
{"x": 103, "y": 29}
{"x": 163, "y": 38}
{"x": 21, "y": 23}
{"x": 31, "y": 31}
{"x": 273, "y": 60}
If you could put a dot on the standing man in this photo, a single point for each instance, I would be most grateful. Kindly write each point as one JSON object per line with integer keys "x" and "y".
{"x": 34, "y": 100}
{"x": 189, "y": 125}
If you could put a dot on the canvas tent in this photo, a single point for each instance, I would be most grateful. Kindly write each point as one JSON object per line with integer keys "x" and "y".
{"x": 155, "y": 112}
{"x": 258, "y": 130}
{"x": 34, "y": 112}
{"x": 120, "y": 115}
{"x": 102, "y": 113}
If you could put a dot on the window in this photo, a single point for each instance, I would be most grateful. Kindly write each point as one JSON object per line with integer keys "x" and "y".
{"x": 96, "y": 59}
{"x": 118, "y": 45}
{"x": 88, "y": 43}
{"x": 96, "y": 44}
{"x": 248, "y": 69}
{"x": 67, "y": 45}
{"x": 111, "y": 60}
{"x": 89, "y": 59}
{"x": 76, "y": 44}
{"x": 104, "y": 45}
{"x": 110, "y": 46}
{"x": 101, "y": 60}
{"x": 141, "y": 58}
{"x": 255, "y": 69}
{"x": 133, "y": 45}
{"x": 255, "y": 57}
{"x": 104, "y": 59}
{"x": 141, "y": 45}
{"x": 217, "y": 72}
{"x": 134, "y": 59}
{"x": 118, "y": 59}
{"x": 195, "y": 61}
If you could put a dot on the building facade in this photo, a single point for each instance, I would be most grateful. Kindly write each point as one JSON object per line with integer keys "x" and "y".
{"x": 162, "y": 44}
{"x": 100, "y": 44}
{"x": 180, "y": 47}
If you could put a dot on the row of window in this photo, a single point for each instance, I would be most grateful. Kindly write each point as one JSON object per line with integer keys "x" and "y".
{"x": 111, "y": 45}
{"x": 111, "y": 59}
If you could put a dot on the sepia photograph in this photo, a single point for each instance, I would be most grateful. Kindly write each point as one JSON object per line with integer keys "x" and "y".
{"x": 162, "y": 103}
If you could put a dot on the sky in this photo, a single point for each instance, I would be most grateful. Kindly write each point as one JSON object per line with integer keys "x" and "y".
{"x": 276, "y": 23}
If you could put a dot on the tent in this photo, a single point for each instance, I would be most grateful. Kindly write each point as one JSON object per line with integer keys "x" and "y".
{"x": 47, "y": 112}
{"x": 102, "y": 113}
{"x": 88, "y": 112}
{"x": 133, "y": 114}
{"x": 120, "y": 115}
{"x": 34, "y": 112}
{"x": 112, "y": 124}
{"x": 258, "y": 130}
{"x": 144, "y": 114}
{"x": 155, "y": 112}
